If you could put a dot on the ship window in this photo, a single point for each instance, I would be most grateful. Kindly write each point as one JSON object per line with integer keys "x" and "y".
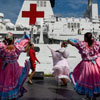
{"x": 78, "y": 25}
{"x": 44, "y": 3}
{"x": 41, "y": 4}
{"x": 72, "y": 24}
{"x": 38, "y": 3}
{"x": 68, "y": 25}
{"x": 75, "y": 25}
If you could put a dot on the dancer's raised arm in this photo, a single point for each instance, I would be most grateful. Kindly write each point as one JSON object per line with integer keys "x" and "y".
{"x": 72, "y": 41}
{"x": 23, "y": 43}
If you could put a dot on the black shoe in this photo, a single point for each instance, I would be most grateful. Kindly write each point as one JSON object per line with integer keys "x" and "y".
{"x": 65, "y": 85}
{"x": 29, "y": 82}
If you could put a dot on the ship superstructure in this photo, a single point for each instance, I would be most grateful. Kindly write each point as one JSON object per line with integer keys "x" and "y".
{"x": 37, "y": 17}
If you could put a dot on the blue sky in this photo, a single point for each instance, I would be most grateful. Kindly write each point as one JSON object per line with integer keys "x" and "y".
{"x": 64, "y": 8}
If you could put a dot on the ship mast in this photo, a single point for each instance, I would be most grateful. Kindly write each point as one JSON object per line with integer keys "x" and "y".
{"x": 92, "y": 10}
{"x": 89, "y": 2}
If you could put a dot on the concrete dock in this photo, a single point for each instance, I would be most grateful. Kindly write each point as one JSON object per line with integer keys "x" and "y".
{"x": 48, "y": 89}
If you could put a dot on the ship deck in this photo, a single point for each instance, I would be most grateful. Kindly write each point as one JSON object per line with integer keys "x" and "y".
{"x": 48, "y": 89}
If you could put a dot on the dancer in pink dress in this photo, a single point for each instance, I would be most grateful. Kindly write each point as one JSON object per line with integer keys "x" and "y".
{"x": 12, "y": 76}
{"x": 86, "y": 75}
{"x": 60, "y": 64}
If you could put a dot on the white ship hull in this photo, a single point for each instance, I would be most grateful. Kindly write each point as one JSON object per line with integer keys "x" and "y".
{"x": 45, "y": 57}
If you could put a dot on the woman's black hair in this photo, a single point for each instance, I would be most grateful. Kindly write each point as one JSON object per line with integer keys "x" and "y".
{"x": 8, "y": 41}
{"x": 89, "y": 38}
{"x": 64, "y": 44}
{"x": 31, "y": 44}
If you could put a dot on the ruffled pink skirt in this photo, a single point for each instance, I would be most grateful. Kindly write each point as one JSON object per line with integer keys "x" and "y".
{"x": 12, "y": 78}
{"x": 60, "y": 66}
{"x": 86, "y": 77}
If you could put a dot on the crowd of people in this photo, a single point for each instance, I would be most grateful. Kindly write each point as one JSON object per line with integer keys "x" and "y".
{"x": 85, "y": 77}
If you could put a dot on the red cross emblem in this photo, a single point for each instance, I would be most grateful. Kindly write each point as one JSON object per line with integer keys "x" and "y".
{"x": 33, "y": 14}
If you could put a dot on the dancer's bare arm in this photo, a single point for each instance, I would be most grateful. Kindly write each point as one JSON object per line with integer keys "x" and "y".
{"x": 72, "y": 43}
